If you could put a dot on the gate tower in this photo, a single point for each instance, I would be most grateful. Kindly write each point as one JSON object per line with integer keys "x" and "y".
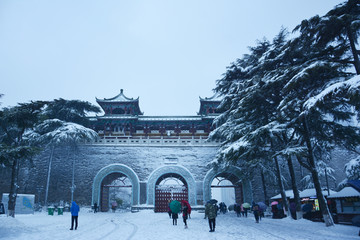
{"x": 124, "y": 125}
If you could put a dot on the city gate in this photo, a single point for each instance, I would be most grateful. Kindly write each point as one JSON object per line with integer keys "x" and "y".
{"x": 169, "y": 187}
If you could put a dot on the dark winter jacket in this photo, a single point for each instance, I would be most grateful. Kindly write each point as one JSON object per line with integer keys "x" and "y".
{"x": 210, "y": 211}
{"x": 185, "y": 212}
{"x": 74, "y": 209}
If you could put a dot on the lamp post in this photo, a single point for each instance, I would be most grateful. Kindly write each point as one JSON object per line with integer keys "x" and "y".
{"x": 72, "y": 188}
{"x": 48, "y": 176}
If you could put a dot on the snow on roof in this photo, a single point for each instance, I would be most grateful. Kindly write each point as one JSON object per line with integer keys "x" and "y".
{"x": 170, "y": 118}
{"x": 311, "y": 192}
{"x": 346, "y": 192}
{"x": 118, "y": 117}
{"x": 118, "y": 98}
{"x": 288, "y": 193}
{"x": 215, "y": 97}
{"x": 153, "y": 118}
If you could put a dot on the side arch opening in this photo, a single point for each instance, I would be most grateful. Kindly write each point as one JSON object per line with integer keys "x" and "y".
{"x": 115, "y": 176}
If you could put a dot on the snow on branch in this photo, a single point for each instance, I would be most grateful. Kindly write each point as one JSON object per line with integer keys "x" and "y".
{"x": 235, "y": 146}
{"x": 352, "y": 169}
{"x": 292, "y": 151}
{"x": 352, "y": 85}
{"x": 55, "y": 131}
{"x": 304, "y": 72}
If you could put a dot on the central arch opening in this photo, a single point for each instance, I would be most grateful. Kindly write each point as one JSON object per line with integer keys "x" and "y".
{"x": 116, "y": 192}
{"x": 227, "y": 188}
{"x": 168, "y": 187}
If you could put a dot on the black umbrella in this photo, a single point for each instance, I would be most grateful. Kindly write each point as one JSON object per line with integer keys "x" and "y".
{"x": 213, "y": 201}
{"x": 262, "y": 206}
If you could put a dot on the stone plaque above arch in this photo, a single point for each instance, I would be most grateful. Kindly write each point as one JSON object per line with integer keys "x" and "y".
{"x": 116, "y": 168}
{"x": 180, "y": 170}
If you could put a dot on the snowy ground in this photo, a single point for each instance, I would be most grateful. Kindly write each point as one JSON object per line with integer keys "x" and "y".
{"x": 146, "y": 224}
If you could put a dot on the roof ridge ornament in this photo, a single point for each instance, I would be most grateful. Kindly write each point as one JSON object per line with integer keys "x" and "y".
{"x": 118, "y": 98}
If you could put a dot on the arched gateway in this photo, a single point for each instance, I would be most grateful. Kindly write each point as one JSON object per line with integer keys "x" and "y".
{"x": 242, "y": 187}
{"x": 156, "y": 194}
{"x": 100, "y": 195}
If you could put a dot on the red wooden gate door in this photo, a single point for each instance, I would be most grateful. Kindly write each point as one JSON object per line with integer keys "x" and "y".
{"x": 104, "y": 201}
{"x": 164, "y": 195}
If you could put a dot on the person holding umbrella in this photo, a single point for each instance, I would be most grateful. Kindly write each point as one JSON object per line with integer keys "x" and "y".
{"x": 255, "y": 209}
{"x": 245, "y": 207}
{"x": 274, "y": 209}
{"x": 185, "y": 214}
{"x": 169, "y": 210}
{"x": 262, "y": 209}
{"x": 188, "y": 206}
{"x": 174, "y": 217}
{"x": 210, "y": 213}
{"x": 175, "y": 207}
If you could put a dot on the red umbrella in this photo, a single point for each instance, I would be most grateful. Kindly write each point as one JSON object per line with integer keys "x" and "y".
{"x": 187, "y": 204}
{"x": 274, "y": 203}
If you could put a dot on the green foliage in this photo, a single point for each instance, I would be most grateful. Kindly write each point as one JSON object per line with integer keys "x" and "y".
{"x": 70, "y": 110}
{"x": 270, "y": 93}
{"x": 119, "y": 201}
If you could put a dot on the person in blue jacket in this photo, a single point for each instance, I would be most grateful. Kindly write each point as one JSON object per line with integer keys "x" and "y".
{"x": 74, "y": 209}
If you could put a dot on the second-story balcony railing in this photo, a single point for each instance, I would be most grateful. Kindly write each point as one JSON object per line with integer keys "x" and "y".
{"x": 154, "y": 140}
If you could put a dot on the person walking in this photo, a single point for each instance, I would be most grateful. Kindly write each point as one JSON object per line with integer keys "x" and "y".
{"x": 169, "y": 210}
{"x": 74, "y": 209}
{"x": 174, "y": 218}
{"x": 255, "y": 209}
{"x": 210, "y": 213}
{"x": 95, "y": 207}
{"x": 185, "y": 214}
{"x": 237, "y": 209}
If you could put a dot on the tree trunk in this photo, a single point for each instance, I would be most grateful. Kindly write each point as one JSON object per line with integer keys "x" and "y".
{"x": 353, "y": 50}
{"x": 295, "y": 189}
{"x": 322, "y": 202}
{"x": 314, "y": 173}
{"x": 281, "y": 185}
{"x": 264, "y": 188}
{"x": 13, "y": 188}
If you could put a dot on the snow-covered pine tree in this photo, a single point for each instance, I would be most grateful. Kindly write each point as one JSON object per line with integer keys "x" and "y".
{"x": 75, "y": 111}
{"x": 68, "y": 132}
{"x": 313, "y": 71}
{"x": 252, "y": 107}
{"x": 14, "y": 122}
{"x": 339, "y": 30}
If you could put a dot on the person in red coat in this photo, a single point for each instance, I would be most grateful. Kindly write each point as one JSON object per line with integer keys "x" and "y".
{"x": 185, "y": 214}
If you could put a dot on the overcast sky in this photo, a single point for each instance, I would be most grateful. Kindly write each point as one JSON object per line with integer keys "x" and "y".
{"x": 166, "y": 52}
